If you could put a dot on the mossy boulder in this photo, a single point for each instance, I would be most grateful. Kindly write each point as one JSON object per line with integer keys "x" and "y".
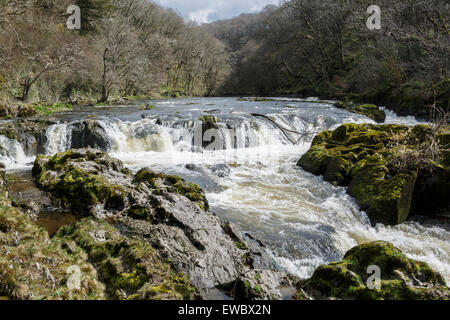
{"x": 107, "y": 264}
{"x": 161, "y": 181}
{"x": 76, "y": 178}
{"x": 129, "y": 268}
{"x": 361, "y": 157}
{"x": 159, "y": 211}
{"x": 369, "y": 110}
{"x": 401, "y": 278}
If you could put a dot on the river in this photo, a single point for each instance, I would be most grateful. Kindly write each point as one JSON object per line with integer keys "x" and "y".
{"x": 252, "y": 179}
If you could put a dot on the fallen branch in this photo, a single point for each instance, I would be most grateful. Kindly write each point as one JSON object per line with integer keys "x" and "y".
{"x": 284, "y": 130}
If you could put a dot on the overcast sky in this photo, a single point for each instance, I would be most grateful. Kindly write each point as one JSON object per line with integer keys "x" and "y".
{"x": 203, "y": 11}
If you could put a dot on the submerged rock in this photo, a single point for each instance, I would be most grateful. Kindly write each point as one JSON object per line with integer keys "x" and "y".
{"x": 369, "y": 110}
{"x": 163, "y": 212}
{"x": 221, "y": 170}
{"x": 401, "y": 278}
{"x": 362, "y": 157}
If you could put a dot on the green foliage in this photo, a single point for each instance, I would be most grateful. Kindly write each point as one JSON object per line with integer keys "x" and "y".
{"x": 50, "y": 108}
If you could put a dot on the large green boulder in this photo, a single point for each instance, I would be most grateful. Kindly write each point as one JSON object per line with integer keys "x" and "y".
{"x": 77, "y": 178}
{"x": 352, "y": 278}
{"x": 129, "y": 268}
{"x": 366, "y": 157}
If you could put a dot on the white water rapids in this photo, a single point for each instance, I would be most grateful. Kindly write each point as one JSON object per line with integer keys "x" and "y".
{"x": 303, "y": 220}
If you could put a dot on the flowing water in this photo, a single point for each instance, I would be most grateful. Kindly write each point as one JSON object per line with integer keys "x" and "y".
{"x": 251, "y": 178}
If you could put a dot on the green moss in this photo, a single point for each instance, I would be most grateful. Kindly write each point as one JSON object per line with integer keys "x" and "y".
{"x": 158, "y": 180}
{"x": 387, "y": 200}
{"x": 209, "y": 120}
{"x": 371, "y": 111}
{"x": 241, "y": 245}
{"x": 140, "y": 213}
{"x": 78, "y": 189}
{"x": 359, "y": 156}
{"x": 401, "y": 277}
{"x": 44, "y": 108}
{"x": 146, "y": 107}
{"x": 129, "y": 268}
{"x": 35, "y": 267}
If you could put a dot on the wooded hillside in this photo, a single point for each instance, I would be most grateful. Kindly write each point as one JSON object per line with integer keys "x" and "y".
{"x": 124, "y": 48}
{"x": 324, "y": 48}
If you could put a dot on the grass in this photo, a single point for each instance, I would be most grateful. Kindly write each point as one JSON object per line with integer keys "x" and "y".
{"x": 46, "y": 109}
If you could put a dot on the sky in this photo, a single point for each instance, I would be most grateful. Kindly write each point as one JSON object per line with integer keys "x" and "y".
{"x": 203, "y": 11}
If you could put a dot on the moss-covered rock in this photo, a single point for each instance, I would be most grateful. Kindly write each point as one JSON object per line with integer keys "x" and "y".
{"x": 161, "y": 181}
{"x": 130, "y": 269}
{"x": 75, "y": 178}
{"x": 401, "y": 278}
{"x": 32, "y": 266}
{"x": 158, "y": 215}
{"x": 369, "y": 110}
{"x": 361, "y": 157}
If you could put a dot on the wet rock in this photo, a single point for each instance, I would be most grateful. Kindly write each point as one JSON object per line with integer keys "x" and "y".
{"x": 207, "y": 123}
{"x": 221, "y": 170}
{"x": 164, "y": 211}
{"x": 26, "y": 195}
{"x": 401, "y": 278}
{"x": 30, "y": 133}
{"x": 362, "y": 157}
{"x": 89, "y": 134}
{"x": 259, "y": 285}
{"x": 3, "y": 179}
{"x": 369, "y": 110}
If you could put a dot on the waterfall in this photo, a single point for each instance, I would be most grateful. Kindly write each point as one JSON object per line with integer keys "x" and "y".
{"x": 58, "y": 139}
{"x": 12, "y": 154}
{"x": 250, "y": 176}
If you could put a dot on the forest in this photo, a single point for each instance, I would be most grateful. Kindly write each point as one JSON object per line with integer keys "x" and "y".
{"x": 135, "y": 48}
{"x": 124, "y": 48}
{"x": 324, "y": 48}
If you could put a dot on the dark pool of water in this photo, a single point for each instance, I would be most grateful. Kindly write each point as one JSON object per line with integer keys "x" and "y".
{"x": 53, "y": 221}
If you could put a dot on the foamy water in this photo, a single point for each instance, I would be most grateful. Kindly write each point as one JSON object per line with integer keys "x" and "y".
{"x": 304, "y": 220}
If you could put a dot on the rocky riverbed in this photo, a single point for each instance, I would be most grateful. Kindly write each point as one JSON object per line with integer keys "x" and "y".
{"x": 131, "y": 208}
